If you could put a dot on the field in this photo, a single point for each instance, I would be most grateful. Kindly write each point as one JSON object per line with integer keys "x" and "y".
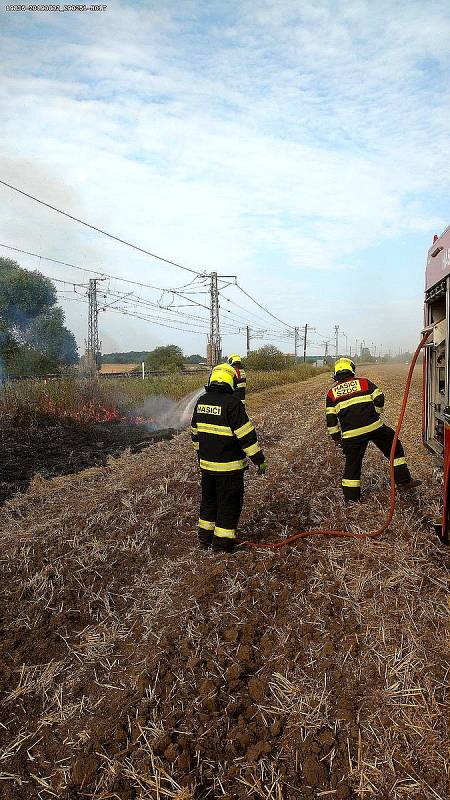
{"x": 84, "y": 401}
{"x": 134, "y": 666}
{"x": 110, "y": 368}
{"x": 62, "y": 426}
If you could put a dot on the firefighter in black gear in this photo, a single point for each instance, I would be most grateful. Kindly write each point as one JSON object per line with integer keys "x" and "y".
{"x": 224, "y": 437}
{"x": 241, "y": 379}
{"x": 353, "y": 409}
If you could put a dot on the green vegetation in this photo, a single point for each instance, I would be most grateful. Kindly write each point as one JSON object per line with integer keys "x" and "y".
{"x": 137, "y": 356}
{"x": 168, "y": 359}
{"x": 33, "y": 338}
{"x": 268, "y": 358}
{"x": 195, "y": 359}
{"x": 131, "y": 357}
{"x": 85, "y": 401}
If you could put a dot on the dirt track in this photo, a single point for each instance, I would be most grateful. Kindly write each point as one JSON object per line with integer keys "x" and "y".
{"x": 135, "y": 666}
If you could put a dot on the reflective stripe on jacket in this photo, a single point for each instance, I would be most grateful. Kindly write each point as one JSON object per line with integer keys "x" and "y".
{"x": 222, "y": 433}
{"x": 353, "y": 408}
{"x": 240, "y": 384}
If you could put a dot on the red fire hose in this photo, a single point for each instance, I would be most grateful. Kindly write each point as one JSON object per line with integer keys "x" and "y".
{"x": 379, "y": 531}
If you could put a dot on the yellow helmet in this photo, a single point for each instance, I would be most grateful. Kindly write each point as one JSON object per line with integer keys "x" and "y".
{"x": 344, "y": 365}
{"x": 234, "y": 358}
{"x": 222, "y": 374}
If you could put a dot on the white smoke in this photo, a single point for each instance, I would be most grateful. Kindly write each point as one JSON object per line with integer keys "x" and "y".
{"x": 167, "y": 413}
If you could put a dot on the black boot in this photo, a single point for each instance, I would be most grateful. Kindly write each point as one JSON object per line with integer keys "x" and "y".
{"x": 411, "y": 484}
{"x": 223, "y": 544}
{"x": 204, "y": 540}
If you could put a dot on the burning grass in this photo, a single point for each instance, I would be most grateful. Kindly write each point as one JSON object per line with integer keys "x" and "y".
{"x": 114, "y": 400}
{"x": 136, "y": 666}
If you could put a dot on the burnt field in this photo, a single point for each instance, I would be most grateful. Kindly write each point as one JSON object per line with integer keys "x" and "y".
{"x": 133, "y": 665}
{"x": 50, "y": 446}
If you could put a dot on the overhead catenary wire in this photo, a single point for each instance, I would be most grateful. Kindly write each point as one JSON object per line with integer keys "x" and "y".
{"x": 164, "y": 324}
{"x": 257, "y": 317}
{"x": 132, "y": 299}
{"x": 103, "y": 274}
{"x": 100, "y": 230}
{"x": 227, "y": 328}
{"x": 286, "y": 324}
{"x": 262, "y": 332}
{"x": 198, "y": 326}
{"x": 140, "y": 316}
{"x": 176, "y": 291}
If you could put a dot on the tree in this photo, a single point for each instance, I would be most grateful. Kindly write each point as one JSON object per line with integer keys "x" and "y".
{"x": 33, "y": 338}
{"x": 48, "y": 335}
{"x": 130, "y": 357}
{"x": 169, "y": 358}
{"x": 195, "y": 359}
{"x": 268, "y": 357}
{"x": 366, "y": 356}
{"x": 23, "y": 296}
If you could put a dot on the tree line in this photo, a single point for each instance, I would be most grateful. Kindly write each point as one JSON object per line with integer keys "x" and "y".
{"x": 170, "y": 358}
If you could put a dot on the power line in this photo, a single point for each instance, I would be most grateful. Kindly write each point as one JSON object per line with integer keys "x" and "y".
{"x": 263, "y": 307}
{"x": 104, "y": 274}
{"x": 252, "y": 313}
{"x": 167, "y": 309}
{"x": 174, "y": 291}
{"x": 140, "y": 316}
{"x": 239, "y": 318}
{"x": 198, "y": 326}
{"x": 258, "y": 317}
{"x": 158, "y": 322}
{"x": 263, "y": 333}
{"x": 68, "y": 283}
{"x": 99, "y": 230}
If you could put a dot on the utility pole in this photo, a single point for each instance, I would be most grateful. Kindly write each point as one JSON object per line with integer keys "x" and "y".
{"x": 247, "y": 330}
{"x": 93, "y": 346}
{"x": 361, "y": 347}
{"x": 214, "y": 351}
{"x": 326, "y": 351}
{"x": 336, "y": 332}
{"x": 346, "y": 343}
{"x": 296, "y": 337}
{"x": 214, "y": 324}
{"x": 304, "y": 341}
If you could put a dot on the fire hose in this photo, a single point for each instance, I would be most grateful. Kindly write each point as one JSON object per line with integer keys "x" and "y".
{"x": 388, "y": 520}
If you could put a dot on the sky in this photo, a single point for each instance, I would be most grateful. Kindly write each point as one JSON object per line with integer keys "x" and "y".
{"x": 301, "y": 146}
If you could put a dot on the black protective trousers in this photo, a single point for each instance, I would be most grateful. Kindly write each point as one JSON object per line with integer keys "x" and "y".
{"x": 220, "y": 508}
{"x": 354, "y": 450}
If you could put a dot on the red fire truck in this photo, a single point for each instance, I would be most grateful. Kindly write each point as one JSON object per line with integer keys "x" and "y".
{"x": 436, "y": 366}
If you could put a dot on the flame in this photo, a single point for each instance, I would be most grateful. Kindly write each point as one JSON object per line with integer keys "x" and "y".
{"x": 93, "y": 411}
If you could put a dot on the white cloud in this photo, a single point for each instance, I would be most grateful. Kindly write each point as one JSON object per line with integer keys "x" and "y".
{"x": 308, "y": 132}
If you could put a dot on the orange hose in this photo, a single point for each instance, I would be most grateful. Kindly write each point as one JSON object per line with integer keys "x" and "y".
{"x": 379, "y": 531}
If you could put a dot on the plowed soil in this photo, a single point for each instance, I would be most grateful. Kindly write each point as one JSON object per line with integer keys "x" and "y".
{"x": 133, "y": 665}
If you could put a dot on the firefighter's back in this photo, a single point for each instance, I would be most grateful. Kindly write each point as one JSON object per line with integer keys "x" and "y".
{"x": 219, "y": 450}
{"x": 353, "y": 402}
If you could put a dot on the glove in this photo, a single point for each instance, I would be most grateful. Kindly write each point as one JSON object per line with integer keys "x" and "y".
{"x": 262, "y": 468}
{"x": 337, "y": 440}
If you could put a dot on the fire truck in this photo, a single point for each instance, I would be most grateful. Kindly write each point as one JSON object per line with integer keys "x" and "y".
{"x": 436, "y": 366}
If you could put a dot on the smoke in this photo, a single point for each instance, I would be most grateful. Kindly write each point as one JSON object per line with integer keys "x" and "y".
{"x": 167, "y": 413}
